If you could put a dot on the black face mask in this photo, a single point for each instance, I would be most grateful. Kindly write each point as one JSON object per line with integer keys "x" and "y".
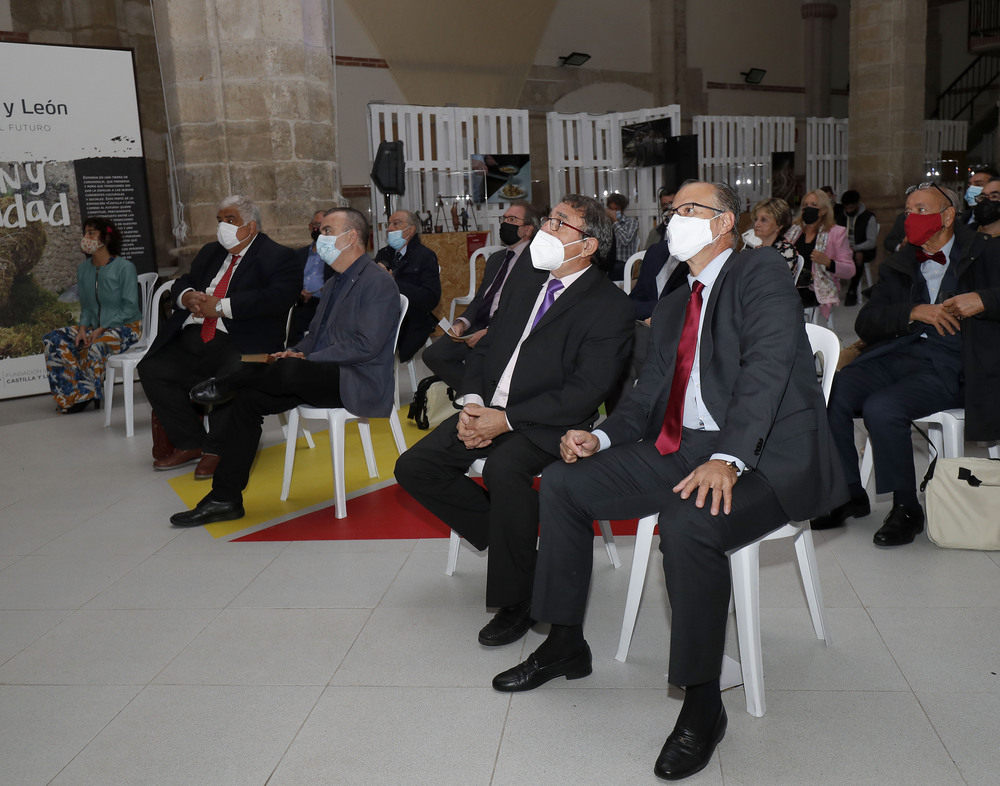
{"x": 315, "y": 234}
{"x": 509, "y": 234}
{"x": 810, "y": 215}
{"x": 986, "y": 212}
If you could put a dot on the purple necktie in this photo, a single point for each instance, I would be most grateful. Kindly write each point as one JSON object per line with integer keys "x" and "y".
{"x": 550, "y": 297}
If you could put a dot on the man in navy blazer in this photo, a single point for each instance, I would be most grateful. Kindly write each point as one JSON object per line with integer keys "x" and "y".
{"x": 234, "y": 300}
{"x": 725, "y": 436}
{"x": 414, "y": 267}
{"x": 555, "y": 346}
{"x": 446, "y": 356}
{"x": 345, "y": 360}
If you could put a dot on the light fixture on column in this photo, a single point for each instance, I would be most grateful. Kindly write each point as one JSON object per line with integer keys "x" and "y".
{"x": 574, "y": 59}
{"x": 754, "y": 76}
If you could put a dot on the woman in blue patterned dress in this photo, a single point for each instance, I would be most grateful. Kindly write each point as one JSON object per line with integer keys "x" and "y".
{"x": 110, "y": 320}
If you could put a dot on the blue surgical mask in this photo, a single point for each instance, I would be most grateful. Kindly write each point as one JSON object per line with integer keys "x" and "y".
{"x": 326, "y": 247}
{"x": 971, "y": 193}
{"x": 396, "y": 239}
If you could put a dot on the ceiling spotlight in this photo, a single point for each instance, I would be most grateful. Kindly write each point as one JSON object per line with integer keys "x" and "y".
{"x": 754, "y": 76}
{"x": 574, "y": 59}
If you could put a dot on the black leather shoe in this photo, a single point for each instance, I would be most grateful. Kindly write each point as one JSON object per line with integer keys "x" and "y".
{"x": 859, "y": 507}
{"x": 686, "y": 752}
{"x": 208, "y": 511}
{"x": 901, "y": 526}
{"x": 212, "y": 391}
{"x": 530, "y": 674}
{"x": 509, "y": 624}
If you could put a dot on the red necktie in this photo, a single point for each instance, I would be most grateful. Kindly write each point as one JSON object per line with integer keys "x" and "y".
{"x": 209, "y": 325}
{"x": 670, "y": 432}
{"x": 937, "y": 256}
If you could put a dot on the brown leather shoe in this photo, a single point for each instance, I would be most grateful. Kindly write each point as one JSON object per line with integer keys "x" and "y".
{"x": 206, "y": 467}
{"x": 179, "y": 458}
{"x": 162, "y": 446}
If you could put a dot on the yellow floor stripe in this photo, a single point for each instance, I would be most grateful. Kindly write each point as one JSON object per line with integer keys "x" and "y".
{"x": 312, "y": 481}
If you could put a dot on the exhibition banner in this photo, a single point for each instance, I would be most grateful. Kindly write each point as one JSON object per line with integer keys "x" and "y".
{"x": 70, "y": 147}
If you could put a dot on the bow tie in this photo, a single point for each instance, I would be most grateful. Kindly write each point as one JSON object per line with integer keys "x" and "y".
{"x": 937, "y": 256}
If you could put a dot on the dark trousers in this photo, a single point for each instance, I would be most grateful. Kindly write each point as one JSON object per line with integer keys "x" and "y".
{"x": 632, "y": 481}
{"x": 168, "y": 375}
{"x": 446, "y": 359}
{"x": 888, "y": 392}
{"x": 266, "y": 390}
{"x": 503, "y": 516}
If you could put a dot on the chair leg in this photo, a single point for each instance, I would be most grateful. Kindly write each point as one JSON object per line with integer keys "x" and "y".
{"x": 609, "y": 543}
{"x": 745, "y": 567}
{"x": 397, "y": 432}
{"x": 640, "y": 563}
{"x": 806, "y": 553}
{"x": 337, "y": 459}
{"x": 109, "y": 392}
{"x": 128, "y": 383}
{"x": 290, "y": 431}
{"x": 867, "y": 463}
{"x": 365, "y": 430}
{"x": 453, "y": 544}
{"x": 953, "y": 433}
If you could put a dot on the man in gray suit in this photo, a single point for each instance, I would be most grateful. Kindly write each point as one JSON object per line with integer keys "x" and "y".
{"x": 725, "y": 436}
{"x": 345, "y": 360}
{"x": 446, "y": 356}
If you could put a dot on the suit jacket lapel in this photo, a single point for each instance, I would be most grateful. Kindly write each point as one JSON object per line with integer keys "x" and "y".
{"x": 568, "y": 298}
{"x": 706, "y": 340}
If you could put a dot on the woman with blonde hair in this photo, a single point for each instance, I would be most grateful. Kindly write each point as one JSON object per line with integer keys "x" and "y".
{"x": 824, "y": 247}
{"x": 771, "y": 219}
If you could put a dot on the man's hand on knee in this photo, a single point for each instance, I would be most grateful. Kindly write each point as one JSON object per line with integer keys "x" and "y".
{"x": 576, "y": 444}
{"x": 486, "y": 423}
{"x": 716, "y": 476}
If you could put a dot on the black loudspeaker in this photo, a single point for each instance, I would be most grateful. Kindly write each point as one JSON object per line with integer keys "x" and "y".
{"x": 681, "y": 160}
{"x": 387, "y": 172}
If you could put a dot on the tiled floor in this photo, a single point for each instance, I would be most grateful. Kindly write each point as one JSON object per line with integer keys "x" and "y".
{"x": 133, "y": 653}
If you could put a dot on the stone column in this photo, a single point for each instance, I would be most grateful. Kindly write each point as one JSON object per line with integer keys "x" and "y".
{"x": 249, "y": 88}
{"x": 886, "y": 106}
{"x": 818, "y": 18}
{"x": 672, "y": 81}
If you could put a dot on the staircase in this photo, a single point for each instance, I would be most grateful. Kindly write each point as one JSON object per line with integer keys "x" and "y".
{"x": 973, "y": 95}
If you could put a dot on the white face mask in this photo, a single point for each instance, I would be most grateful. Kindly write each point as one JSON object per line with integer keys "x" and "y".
{"x": 326, "y": 247}
{"x": 548, "y": 251}
{"x": 226, "y": 234}
{"x": 687, "y": 235}
{"x": 751, "y": 239}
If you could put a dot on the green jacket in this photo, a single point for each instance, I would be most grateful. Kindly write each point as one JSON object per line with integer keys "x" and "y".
{"x": 109, "y": 295}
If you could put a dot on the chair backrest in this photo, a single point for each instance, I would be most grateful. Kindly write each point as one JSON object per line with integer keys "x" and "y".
{"x": 629, "y": 266}
{"x": 824, "y": 342}
{"x": 146, "y": 283}
{"x": 404, "y": 303}
{"x": 151, "y": 325}
{"x": 485, "y": 252}
{"x": 798, "y": 270}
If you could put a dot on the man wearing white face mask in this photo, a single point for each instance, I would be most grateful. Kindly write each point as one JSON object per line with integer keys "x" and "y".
{"x": 233, "y": 301}
{"x": 344, "y": 360}
{"x": 724, "y": 436}
{"x": 414, "y": 268}
{"x": 555, "y": 347}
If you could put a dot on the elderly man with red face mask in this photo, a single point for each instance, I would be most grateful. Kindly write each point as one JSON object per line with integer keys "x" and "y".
{"x": 932, "y": 330}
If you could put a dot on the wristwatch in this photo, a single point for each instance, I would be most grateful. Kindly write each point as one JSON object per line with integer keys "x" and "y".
{"x": 218, "y": 308}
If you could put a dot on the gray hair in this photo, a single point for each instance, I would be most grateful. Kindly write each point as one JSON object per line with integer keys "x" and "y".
{"x": 595, "y": 220}
{"x": 532, "y": 216}
{"x": 247, "y": 209}
{"x": 727, "y": 200}
{"x": 414, "y": 221}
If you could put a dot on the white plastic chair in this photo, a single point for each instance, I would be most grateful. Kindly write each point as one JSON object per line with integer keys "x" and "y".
{"x": 127, "y": 361}
{"x": 455, "y": 540}
{"x": 744, "y": 565}
{"x": 801, "y": 263}
{"x": 629, "y": 267}
{"x": 485, "y": 252}
{"x": 337, "y": 418}
{"x": 946, "y": 430}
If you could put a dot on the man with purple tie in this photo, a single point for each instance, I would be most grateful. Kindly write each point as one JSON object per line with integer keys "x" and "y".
{"x": 555, "y": 346}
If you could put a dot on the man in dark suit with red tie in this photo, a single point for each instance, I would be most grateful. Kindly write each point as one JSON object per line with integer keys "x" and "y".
{"x": 932, "y": 330}
{"x": 446, "y": 356}
{"x": 554, "y": 348}
{"x": 725, "y": 436}
{"x": 234, "y": 301}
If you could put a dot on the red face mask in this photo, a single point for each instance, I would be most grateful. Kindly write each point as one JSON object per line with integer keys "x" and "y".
{"x": 921, "y": 227}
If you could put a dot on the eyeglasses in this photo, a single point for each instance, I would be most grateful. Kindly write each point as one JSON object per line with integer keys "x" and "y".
{"x": 929, "y": 184}
{"x": 688, "y": 209}
{"x": 993, "y": 197}
{"x": 512, "y": 220}
{"x": 555, "y": 224}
